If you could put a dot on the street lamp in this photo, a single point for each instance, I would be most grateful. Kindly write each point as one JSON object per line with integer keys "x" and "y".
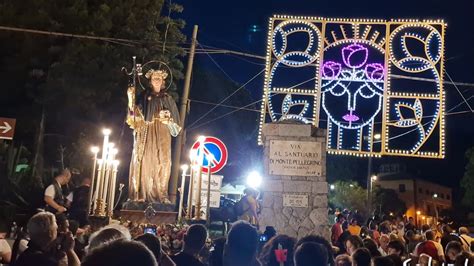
{"x": 435, "y": 197}
{"x": 377, "y": 137}
{"x": 332, "y": 187}
{"x": 254, "y": 179}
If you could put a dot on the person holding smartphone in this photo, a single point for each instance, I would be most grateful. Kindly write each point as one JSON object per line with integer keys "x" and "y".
{"x": 47, "y": 247}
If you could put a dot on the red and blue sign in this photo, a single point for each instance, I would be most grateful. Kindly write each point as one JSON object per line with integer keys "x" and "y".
{"x": 217, "y": 148}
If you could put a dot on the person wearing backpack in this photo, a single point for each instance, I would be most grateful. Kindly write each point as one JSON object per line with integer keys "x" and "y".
{"x": 466, "y": 240}
{"x": 246, "y": 208}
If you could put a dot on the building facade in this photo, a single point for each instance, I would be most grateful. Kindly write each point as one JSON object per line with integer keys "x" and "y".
{"x": 424, "y": 199}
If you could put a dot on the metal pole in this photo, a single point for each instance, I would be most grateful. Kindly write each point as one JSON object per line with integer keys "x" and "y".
{"x": 178, "y": 146}
{"x": 369, "y": 186}
{"x": 208, "y": 207}
{"x": 197, "y": 215}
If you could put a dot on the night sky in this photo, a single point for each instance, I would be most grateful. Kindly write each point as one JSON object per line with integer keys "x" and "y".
{"x": 242, "y": 26}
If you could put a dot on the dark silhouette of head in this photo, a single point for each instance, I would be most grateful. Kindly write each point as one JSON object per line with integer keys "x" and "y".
{"x": 352, "y": 243}
{"x": 152, "y": 243}
{"x": 195, "y": 238}
{"x": 241, "y": 245}
{"x": 361, "y": 257}
{"x": 120, "y": 253}
{"x": 268, "y": 256}
{"x": 320, "y": 240}
{"x": 311, "y": 254}
{"x": 397, "y": 260}
{"x": 372, "y": 247}
{"x": 429, "y": 235}
{"x": 383, "y": 261}
{"x": 396, "y": 247}
{"x": 343, "y": 260}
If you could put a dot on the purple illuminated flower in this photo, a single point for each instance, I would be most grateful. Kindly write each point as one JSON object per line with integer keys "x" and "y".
{"x": 374, "y": 71}
{"x": 354, "y": 55}
{"x": 331, "y": 69}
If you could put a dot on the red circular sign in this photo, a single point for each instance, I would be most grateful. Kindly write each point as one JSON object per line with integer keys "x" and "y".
{"x": 217, "y": 148}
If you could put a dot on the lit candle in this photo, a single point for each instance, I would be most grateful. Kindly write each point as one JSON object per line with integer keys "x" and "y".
{"x": 112, "y": 187}
{"x": 105, "y": 149}
{"x": 95, "y": 151}
{"x": 181, "y": 193}
{"x": 108, "y": 170}
{"x": 96, "y": 196}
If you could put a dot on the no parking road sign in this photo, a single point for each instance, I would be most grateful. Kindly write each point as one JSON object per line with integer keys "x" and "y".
{"x": 214, "y": 146}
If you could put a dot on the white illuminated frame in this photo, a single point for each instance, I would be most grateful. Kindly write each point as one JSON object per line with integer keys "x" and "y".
{"x": 395, "y": 34}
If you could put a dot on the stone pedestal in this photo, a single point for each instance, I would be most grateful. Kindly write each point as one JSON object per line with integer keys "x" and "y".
{"x": 295, "y": 191}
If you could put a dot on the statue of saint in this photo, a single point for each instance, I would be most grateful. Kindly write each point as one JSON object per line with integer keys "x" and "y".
{"x": 153, "y": 116}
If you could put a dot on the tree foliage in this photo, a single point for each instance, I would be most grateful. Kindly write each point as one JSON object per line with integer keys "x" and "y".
{"x": 349, "y": 195}
{"x": 467, "y": 182}
{"x": 77, "y": 83}
{"x": 386, "y": 201}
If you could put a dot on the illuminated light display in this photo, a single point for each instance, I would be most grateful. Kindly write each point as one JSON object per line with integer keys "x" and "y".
{"x": 350, "y": 90}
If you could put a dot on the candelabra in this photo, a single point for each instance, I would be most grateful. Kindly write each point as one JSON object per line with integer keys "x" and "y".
{"x": 104, "y": 178}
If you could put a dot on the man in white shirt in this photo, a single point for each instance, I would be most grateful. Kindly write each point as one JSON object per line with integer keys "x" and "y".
{"x": 466, "y": 240}
{"x": 53, "y": 195}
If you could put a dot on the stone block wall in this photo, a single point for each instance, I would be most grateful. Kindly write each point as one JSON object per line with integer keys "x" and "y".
{"x": 295, "y": 221}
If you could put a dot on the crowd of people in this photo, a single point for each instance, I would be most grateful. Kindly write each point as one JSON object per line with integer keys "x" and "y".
{"x": 53, "y": 238}
{"x": 398, "y": 241}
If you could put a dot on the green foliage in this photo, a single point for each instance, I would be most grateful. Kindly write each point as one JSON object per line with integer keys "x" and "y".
{"x": 349, "y": 195}
{"x": 76, "y": 83}
{"x": 467, "y": 182}
{"x": 79, "y": 82}
{"x": 386, "y": 201}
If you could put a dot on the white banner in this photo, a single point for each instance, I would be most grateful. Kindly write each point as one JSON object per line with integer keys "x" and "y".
{"x": 216, "y": 183}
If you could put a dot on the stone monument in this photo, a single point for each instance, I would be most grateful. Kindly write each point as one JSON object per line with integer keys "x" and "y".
{"x": 295, "y": 191}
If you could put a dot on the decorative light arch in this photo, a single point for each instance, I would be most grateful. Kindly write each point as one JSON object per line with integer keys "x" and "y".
{"x": 366, "y": 81}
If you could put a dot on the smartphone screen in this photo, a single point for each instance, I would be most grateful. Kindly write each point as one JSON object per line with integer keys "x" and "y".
{"x": 149, "y": 230}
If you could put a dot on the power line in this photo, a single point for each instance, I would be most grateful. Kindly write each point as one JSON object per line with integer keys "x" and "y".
{"x": 470, "y": 108}
{"x": 213, "y": 50}
{"x": 225, "y": 99}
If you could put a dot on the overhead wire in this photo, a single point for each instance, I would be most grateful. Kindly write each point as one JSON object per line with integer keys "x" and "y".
{"x": 459, "y": 91}
{"x": 229, "y": 96}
